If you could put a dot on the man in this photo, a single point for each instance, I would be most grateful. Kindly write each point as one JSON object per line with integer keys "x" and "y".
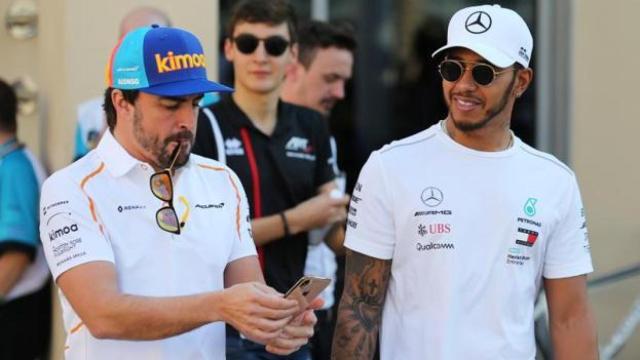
{"x": 279, "y": 151}
{"x": 317, "y": 80}
{"x": 25, "y": 306}
{"x": 455, "y": 229}
{"x": 91, "y": 122}
{"x": 151, "y": 262}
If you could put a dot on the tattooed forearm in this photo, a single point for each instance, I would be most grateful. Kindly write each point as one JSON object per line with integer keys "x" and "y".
{"x": 360, "y": 310}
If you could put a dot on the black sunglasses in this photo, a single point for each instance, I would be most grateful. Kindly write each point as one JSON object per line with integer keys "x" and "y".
{"x": 483, "y": 74}
{"x": 274, "y": 45}
{"x": 161, "y": 184}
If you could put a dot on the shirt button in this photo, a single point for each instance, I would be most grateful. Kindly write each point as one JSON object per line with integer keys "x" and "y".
{"x": 144, "y": 167}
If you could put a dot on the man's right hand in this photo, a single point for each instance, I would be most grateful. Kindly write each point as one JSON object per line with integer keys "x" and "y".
{"x": 317, "y": 212}
{"x": 256, "y": 310}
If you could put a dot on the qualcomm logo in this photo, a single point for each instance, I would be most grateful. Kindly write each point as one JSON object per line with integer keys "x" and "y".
{"x": 233, "y": 146}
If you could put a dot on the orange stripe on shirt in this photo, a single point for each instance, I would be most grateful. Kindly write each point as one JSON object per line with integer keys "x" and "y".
{"x": 235, "y": 188}
{"x": 92, "y": 206}
{"x": 76, "y": 328}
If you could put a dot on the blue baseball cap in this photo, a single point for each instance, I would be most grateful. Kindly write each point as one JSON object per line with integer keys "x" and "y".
{"x": 161, "y": 61}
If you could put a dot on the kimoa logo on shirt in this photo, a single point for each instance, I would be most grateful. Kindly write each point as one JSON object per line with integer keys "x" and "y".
{"x": 233, "y": 146}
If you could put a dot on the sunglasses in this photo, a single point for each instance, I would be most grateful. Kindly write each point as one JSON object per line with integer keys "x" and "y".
{"x": 483, "y": 74}
{"x": 161, "y": 184}
{"x": 274, "y": 45}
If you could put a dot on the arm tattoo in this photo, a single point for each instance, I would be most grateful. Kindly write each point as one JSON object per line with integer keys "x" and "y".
{"x": 360, "y": 310}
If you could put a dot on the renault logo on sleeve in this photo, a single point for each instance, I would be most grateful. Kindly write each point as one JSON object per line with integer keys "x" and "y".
{"x": 432, "y": 196}
{"x": 478, "y": 22}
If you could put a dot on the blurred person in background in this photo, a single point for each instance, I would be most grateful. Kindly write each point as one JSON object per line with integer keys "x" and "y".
{"x": 455, "y": 229}
{"x": 317, "y": 80}
{"x": 25, "y": 298}
{"x": 280, "y": 151}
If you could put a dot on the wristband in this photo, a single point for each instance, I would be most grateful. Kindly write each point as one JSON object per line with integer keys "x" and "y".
{"x": 285, "y": 223}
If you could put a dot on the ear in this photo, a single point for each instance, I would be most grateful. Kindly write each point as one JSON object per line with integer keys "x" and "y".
{"x": 228, "y": 49}
{"x": 124, "y": 109}
{"x": 523, "y": 79}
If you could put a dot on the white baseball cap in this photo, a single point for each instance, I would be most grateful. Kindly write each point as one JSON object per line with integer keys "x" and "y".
{"x": 497, "y": 34}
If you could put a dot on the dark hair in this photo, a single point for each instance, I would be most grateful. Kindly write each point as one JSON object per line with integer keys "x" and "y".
{"x": 272, "y": 12}
{"x": 8, "y": 108}
{"x": 313, "y": 35}
{"x": 129, "y": 95}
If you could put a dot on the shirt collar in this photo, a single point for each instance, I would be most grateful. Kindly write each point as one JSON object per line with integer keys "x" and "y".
{"x": 117, "y": 160}
{"x": 9, "y": 146}
{"x": 239, "y": 119}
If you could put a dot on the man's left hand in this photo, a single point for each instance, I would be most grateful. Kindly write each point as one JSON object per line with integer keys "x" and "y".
{"x": 297, "y": 333}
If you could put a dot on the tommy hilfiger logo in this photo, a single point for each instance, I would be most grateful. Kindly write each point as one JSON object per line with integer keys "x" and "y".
{"x": 526, "y": 237}
{"x": 233, "y": 146}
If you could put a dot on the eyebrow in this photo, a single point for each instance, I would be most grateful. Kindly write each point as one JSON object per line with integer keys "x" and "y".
{"x": 180, "y": 98}
{"x": 480, "y": 61}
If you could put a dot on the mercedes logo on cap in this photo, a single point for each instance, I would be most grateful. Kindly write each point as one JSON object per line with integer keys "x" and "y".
{"x": 432, "y": 196}
{"x": 478, "y": 22}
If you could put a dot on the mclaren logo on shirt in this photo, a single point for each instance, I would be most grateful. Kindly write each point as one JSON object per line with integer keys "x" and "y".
{"x": 233, "y": 147}
{"x": 299, "y": 148}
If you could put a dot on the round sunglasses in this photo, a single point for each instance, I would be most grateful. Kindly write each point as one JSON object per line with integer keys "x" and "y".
{"x": 274, "y": 45}
{"x": 483, "y": 74}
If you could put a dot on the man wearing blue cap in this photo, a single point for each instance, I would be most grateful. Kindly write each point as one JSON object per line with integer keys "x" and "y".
{"x": 446, "y": 260}
{"x": 151, "y": 246}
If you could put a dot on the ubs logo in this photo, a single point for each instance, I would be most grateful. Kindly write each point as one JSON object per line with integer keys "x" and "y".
{"x": 478, "y": 22}
{"x": 432, "y": 196}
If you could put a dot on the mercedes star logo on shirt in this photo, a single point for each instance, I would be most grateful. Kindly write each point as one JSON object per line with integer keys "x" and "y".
{"x": 432, "y": 196}
{"x": 478, "y": 22}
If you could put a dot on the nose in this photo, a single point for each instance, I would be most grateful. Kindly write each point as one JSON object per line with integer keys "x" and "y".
{"x": 466, "y": 79}
{"x": 260, "y": 54}
{"x": 186, "y": 117}
{"x": 337, "y": 91}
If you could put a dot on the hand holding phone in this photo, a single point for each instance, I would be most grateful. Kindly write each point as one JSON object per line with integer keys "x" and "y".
{"x": 306, "y": 289}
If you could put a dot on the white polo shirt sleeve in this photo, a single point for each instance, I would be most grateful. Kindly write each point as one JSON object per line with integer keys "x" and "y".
{"x": 243, "y": 244}
{"x": 370, "y": 225}
{"x": 568, "y": 251}
{"x": 70, "y": 230}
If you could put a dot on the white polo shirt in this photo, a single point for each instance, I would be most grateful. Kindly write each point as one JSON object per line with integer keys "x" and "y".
{"x": 470, "y": 235}
{"x": 101, "y": 208}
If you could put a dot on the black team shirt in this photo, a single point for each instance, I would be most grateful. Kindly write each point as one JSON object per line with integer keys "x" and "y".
{"x": 277, "y": 172}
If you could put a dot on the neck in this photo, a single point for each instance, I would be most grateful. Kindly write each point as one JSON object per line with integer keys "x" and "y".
{"x": 260, "y": 108}
{"x": 490, "y": 138}
{"x": 290, "y": 92}
{"x": 4, "y": 137}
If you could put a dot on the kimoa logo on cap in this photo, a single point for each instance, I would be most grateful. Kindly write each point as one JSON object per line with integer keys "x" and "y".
{"x": 173, "y": 62}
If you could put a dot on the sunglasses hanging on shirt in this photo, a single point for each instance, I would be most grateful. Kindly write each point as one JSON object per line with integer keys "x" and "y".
{"x": 161, "y": 184}
{"x": 274, "y": 45}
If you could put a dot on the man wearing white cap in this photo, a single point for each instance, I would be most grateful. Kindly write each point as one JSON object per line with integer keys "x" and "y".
{"x": 453, "y": 231}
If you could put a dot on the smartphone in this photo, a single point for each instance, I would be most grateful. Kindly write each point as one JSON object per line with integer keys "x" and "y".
{"x": 306, "y": 289}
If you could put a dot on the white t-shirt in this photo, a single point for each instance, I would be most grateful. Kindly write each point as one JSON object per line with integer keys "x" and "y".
{"x": 470, "y": 235}
{"x": 101, "y": 208}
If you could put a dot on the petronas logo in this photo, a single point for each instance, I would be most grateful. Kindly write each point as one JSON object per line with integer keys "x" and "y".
{"x": 530, "y": 206}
